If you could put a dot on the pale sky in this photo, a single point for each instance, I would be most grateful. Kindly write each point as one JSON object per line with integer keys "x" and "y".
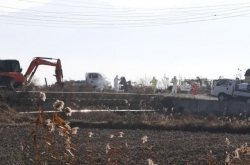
{"x": 131, "y": 38}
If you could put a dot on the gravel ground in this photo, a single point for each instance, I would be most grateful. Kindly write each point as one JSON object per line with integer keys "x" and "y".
{"x": 163, "y": 147}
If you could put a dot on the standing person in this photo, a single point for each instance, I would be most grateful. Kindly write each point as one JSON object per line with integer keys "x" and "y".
{"x": 174, "y": 81}
{"x": 154, "y": 83}
{"x": 124, "y": 84}
{"x": 116, "y": 83}
{"x": 194, "y": 86}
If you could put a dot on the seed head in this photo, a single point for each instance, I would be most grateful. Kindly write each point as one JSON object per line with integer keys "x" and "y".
{"x": 125, "y": 101}
{"x": 227, "y": 159}
{"x": 22, "y": 148}
{"x": 42, "y": 96}
{"x": 74, "y": 130}
{"x": 236, "y": 153}
{"x": 120, "y": 134}
{"x": 63, "y": 132}
{"x": 111, "y": 136}
{"x": 150, "y": 162}
{"x": 58, "y": 105}
{"x": 67, "y": 126}
{"x": 68, "y": 111}
{"x": 227, "y": 142}
{"x": 90, "y": 134}
{"x": 51, "y": 127}
{"x": 126, "y": 144}
{"x": 108, "y": 148}
{"x": 144, "y": 139}
{"x": 47, "y": 122}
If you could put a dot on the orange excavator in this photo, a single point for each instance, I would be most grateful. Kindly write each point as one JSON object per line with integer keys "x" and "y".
{"x": 11, "y": 76}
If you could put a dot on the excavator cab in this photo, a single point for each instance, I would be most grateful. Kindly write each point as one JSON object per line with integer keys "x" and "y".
{"x": 10, "y": 66}
{"x": 10, "y": 73}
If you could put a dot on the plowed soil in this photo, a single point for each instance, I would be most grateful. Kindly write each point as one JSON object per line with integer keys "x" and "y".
{"x": 163, "y": 147}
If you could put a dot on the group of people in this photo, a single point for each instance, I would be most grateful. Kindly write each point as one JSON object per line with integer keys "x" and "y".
{"x": 153, "y": 82}
{"x": 125, "y": 85}
{"x": 174, "y": 81}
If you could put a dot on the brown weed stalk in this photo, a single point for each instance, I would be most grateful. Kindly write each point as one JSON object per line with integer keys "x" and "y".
{"x": 52, "y": 138}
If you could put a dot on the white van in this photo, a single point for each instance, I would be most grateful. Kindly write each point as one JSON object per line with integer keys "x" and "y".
{"x": 97, "y": 80}
{"x": 94, "y": 79}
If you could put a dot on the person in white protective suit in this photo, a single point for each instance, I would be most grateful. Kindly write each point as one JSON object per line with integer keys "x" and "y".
{"x": 116, "y": 83}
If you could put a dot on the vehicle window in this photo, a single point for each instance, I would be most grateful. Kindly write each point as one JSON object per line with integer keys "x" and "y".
{"x": 220, "y": 82}
{"x": 95, "y": 75}
{"x": 103, "y": 76}
{"x": 1, "y": 65}
{"x": 8, "y": 66}
{"x": 99, "y": 76}
{"x": 223, "y": 82}
{"x": 15, "y": 67}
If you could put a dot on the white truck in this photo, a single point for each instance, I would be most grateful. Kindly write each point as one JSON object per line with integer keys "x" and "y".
{"x": 226, "y": 89}
{"x": 184, "y": 87}
{"x": 94, "y": 79}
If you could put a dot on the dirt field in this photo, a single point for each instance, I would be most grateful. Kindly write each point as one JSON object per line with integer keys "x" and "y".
{"x": 163, "y": 147}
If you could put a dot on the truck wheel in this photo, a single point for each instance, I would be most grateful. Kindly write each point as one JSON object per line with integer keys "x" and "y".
{"x": 222, "y": 97}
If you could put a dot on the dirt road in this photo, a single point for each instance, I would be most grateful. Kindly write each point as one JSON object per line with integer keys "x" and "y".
{"x": 185, "y": 95}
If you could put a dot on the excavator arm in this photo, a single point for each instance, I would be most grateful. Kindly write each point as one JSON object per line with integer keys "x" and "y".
{"x": 44, "y": 61}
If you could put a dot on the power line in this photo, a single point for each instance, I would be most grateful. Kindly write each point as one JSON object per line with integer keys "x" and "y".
{"x": 115, "y": 25}
{"x": 131, "y": 15}
{"x": 156, "y": 9}
{"x": 170, "y": 14}
{"x": 129, "y": 18}
{"x": 76, "y": 20}
{"x": 124, "y": 11}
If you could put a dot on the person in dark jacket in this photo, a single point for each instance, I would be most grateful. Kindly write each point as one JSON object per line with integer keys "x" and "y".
{"x": 124, "y": 84}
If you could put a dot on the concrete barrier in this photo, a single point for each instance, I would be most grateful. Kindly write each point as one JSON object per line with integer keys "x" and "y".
{"x": 203, "y": 106}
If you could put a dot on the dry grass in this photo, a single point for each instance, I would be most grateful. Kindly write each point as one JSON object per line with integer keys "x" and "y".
{"x": 9, "y": 117}
{"x": 155, "y": 120}
{"x": 52, "y": 138}
{"x": 144, "y": 120}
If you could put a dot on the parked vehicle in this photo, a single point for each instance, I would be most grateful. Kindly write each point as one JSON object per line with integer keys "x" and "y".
{"x": 184, "y": 87}
{"x": 11, "y": 76}
{"x": 94, "y": 79}
{"x": 226, "y": 89}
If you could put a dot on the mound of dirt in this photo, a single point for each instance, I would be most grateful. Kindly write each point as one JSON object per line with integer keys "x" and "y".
{"x": 8, "y": 114}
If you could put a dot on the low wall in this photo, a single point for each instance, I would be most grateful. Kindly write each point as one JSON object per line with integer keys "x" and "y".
{"x": 200, "y": 104}
{"x": 206, "y": 106}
